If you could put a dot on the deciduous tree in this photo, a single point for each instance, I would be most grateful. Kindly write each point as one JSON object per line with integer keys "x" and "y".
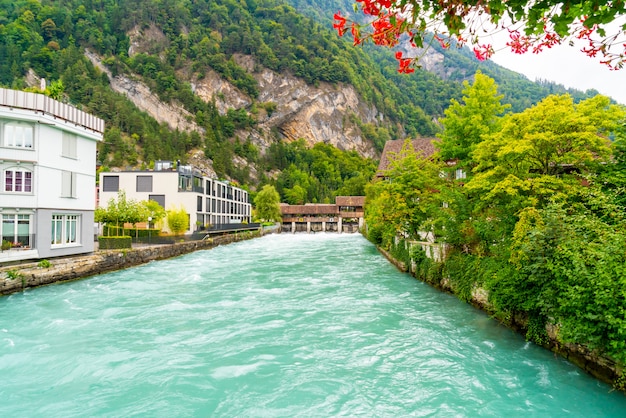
{"x": 267, "y": 203}
{"x": 177, "y": 220}
{"x": 467, "y": 122}
{"x": 121, "y": 211}
{"x": 408, "y": 201}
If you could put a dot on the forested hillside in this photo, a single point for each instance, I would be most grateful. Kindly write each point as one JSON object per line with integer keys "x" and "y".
{"x": 188, "y": 40}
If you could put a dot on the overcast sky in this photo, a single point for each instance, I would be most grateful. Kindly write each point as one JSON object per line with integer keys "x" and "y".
{"x": 568, "y": 66}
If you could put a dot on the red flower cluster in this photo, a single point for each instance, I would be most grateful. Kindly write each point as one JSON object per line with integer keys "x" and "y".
{"x": 373, "y": 8}
{"x": 519, "y": 43}
{"x": 614, "y": 62}
{"x": 548, "y": 41}
{"x": 404, "y": 64}
{"x": 385, "y": 33}
{"x": 340, "y": 23}
{"x": 483, "y": 52}
{"x": 387, "y": 27}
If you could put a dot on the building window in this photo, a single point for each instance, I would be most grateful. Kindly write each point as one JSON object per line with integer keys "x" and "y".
{"x": 159, "y": 198}
{"x": 144, "y": 184}
{"x": 68, "y": 184}
{"x": 18, "y": 181}
{"x": 199, "y": 204}
{"x": 65, "y": 229}
{"x": 197, "y": 185}
{"x": 16, "y": 229}
{"x": 18, "y": 135}
{"x": 69, "y": 145}
{"x": 110, "y": 183}
{"x": 184, "y": 183}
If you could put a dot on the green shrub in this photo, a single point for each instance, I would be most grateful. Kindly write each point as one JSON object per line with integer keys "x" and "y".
{"x": 14, "y": 275}
{"x": 114, "y": 243}
{"x": 6, "y": 245}
{"x": 177, "y": 220}
{"x": 400, "y": 251}
{"x": 375, "y": 234}
{"x": 44, "y": 264}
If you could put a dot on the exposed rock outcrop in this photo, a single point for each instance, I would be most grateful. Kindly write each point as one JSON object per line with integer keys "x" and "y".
{"x": 315, "y": 113}
{"x": 176, "y": 117}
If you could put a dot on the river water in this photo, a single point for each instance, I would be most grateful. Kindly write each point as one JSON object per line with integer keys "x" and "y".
{"x": 286, "y": 325}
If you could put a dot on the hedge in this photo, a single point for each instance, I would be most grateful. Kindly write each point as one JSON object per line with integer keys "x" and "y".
{"x": 132, "y": 232}
{"x": 114, "y": 243}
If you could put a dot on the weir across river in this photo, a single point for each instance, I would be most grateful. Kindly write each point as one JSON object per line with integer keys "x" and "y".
{"x": 346, "y": 215}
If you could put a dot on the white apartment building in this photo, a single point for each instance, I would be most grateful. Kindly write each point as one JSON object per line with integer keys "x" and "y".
{"x": 208, "y": 202}
{"x": 48, "y": 173}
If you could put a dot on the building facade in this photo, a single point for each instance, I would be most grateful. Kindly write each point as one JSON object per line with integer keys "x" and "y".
{"x": 208, "y": 202}
{"x": 48, "y": 172}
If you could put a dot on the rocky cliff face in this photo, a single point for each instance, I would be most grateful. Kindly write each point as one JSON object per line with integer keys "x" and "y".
{"x": 176, "y": 117}
{"x": 315, "y": 113}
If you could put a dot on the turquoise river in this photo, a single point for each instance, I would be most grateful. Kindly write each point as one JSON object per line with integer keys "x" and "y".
{"x": 286, "y": 325}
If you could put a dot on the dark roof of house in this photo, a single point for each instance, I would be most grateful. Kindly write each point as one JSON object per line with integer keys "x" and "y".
{"x": 356, "y": 201}
{"x": 422, "y": 146}
{"x": 322, "y": 208}
{"x": 309, "y": 209}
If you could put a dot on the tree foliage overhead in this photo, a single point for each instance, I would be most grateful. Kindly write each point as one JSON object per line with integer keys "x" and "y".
{"x": 532, "y": 26}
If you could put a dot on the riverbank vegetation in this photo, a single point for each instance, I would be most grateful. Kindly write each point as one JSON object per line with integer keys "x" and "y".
{"x": 528, "y": 206}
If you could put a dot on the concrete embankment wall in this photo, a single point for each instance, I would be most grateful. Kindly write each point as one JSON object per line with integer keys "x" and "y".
{"x": 73, "y": 268}
{"x": 601, "y": 367}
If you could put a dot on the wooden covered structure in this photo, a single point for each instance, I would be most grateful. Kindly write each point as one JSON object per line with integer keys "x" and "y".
{"x": 346, "y": 215}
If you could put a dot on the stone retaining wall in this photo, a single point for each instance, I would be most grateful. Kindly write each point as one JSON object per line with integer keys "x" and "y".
{"x": 73, "y": 268}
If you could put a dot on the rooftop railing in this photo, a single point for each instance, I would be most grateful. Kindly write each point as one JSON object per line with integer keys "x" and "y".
{"x": 47, "y": 105}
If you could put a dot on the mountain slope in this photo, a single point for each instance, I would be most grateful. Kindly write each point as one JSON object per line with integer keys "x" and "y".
{"x": 221, "y": 83}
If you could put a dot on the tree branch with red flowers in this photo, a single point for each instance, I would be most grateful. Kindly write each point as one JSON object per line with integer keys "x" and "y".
{"x": 532, "y": 26}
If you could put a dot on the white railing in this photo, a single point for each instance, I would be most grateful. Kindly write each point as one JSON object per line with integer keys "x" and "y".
{"x": 45, "y": 104}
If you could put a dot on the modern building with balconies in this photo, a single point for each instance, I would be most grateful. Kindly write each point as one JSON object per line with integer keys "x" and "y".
{"x": 48, "y": 173}
{"x": 208, "y": 202}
